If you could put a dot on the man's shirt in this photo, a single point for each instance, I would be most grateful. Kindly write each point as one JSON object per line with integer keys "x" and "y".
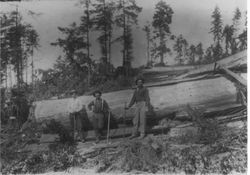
{"x": 140, "y": 94}
{"x": 75, "y": 105}
{"x": 12, "y": 110}
{"x": 99, "y": 106}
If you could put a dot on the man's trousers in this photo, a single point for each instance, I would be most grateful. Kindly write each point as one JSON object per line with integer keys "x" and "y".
{"x": 140, "y": 118}
{"x": 97, "y": 121}
{"x": 76, "y": 121}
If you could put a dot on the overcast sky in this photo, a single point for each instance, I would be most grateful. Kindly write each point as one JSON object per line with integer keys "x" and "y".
{"x": 191, "y": 18}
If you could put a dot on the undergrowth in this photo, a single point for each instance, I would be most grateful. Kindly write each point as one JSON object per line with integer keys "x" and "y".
{"x": 130, "y": 156}
{"x": 54, "y": 127}
{"x": 216, "y": 154}
{"x": 58, "y": 158}
{"x": 60, "y": 155}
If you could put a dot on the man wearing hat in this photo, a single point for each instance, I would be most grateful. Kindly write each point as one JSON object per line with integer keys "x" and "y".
{"x": 75, "y": 117}
{"x": 141, "y": 100}
{"x": 99, "y": 107}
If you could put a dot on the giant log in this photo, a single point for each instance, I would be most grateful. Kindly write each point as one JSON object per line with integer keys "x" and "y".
{"x": 164, "y": 99}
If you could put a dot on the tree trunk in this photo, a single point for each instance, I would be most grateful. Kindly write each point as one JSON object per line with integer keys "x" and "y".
{"x": 105, "y": 37}
{"x": 109, "y": 61}
{"x": 124, "y": 38}
{"x": 148, "y": 54}
{"x": 88, "y": 50}
{"x": 6, "y": 76}
{"x": 226, "y": 48}
{"x": 16, "y": 54}
{"x": 26, "y": 71}
{"x": 106, "y": 40}
{"x": 32, "y": 68}
{"x": 10, "y": 73}
{"x": 161, "y": 46}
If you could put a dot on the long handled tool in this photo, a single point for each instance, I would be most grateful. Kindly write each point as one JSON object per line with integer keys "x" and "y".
{"x": 124, "y": 116}
{"x": 108, "y": 128}
{"x": 74, "y": 127}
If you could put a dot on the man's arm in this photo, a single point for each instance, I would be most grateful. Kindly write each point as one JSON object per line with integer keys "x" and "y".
{"x": 132, "y": 102}
{"x": 106, "y": 106}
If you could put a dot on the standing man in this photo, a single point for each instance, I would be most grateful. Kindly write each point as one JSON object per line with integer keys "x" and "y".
{"x": 12, "y": 112}
{"x": 31, "y": 117}
{"x": 99, "y": 108}
{"x": 75, "y": 117}
{"x": 141, "y": 100}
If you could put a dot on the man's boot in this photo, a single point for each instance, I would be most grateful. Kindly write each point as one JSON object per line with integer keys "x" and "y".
{"x": 97, "y": 140}
{"x": 142, "y": 135}
{"x": 134, "y": 135}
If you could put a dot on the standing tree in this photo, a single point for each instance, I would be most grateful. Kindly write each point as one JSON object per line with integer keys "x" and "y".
{"x": 104, "y": 20}
{"x": 243, "y": 40}
{"x": 147, "y": 29}
{"x": 236, "y": 28}
{"x": 216, "y": 30}
{"x": 199, "y": 52}
{"x": 192, "y": 54}
{"x": 236, "y": 21}
{"x": 217, "y": 51}
{"x": 20, "y": 45}
{"x": 4, "y": 23}
{"x": 32, "y": 44}
{"x": 127, "y": 13}
{"x": 74, "y": 44}
{"x": 228, "y": 36}
{"x": 181, "y": 47}
{"x": 161, "y": 20}
{"x": 208, "y": 58}
{"x": 85, "y": 27}
{"x": 243, "y": 36}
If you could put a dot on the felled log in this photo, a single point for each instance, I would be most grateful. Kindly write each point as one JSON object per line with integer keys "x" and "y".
{"x": 236, "y": 60}
{"x": 236, "y": 78}
{"x": 240, "y": 83}
{"x": 164, "y": 99}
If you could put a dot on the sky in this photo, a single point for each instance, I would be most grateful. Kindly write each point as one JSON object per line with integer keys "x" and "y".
{"x": 191, "y": 18}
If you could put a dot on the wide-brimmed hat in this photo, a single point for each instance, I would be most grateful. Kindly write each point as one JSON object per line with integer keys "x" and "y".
{"x": 97, "y": 92}
{"x": 137, "y": 79}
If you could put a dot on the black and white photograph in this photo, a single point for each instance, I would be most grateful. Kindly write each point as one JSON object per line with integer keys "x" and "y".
{"x": 123, "y": 87}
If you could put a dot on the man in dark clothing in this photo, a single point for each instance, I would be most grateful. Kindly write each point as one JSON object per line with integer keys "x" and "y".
{"x": 12, "y": 113}
{"x": 99, "y": 108}
{"x": 31, "y": 120}
{"x": 141, "y": 100}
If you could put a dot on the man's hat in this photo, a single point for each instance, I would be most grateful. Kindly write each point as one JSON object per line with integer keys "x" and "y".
{"x": 137, "y": 79}
{"x": 97, "y": 92}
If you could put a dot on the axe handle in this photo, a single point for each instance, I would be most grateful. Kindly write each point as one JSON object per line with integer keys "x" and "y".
{"x": 108, "y": 127}
{"x": 124, "y": 116}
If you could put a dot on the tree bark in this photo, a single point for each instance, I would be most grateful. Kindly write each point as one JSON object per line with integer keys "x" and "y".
{"x": 88, "y": 43}
{"x": 161, "y": 46}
